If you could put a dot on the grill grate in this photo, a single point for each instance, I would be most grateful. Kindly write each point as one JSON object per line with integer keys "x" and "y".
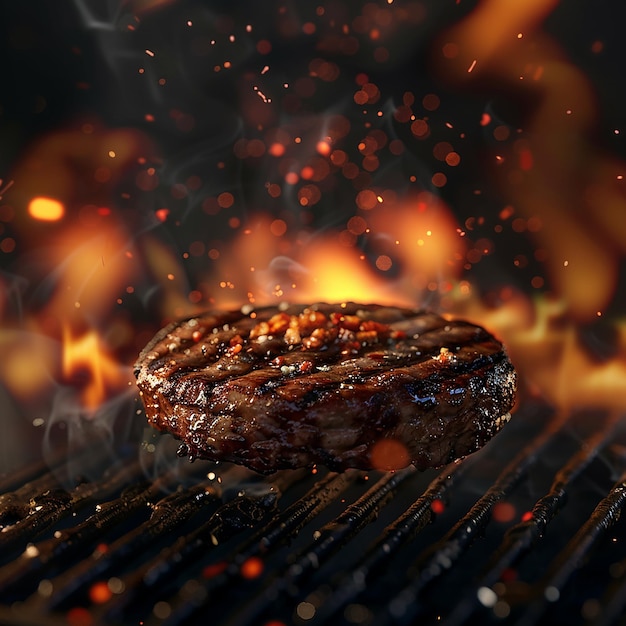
{"x": 526, "y": 530}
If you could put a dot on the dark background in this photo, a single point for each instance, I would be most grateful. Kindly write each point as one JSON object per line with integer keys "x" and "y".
{"x": 65, "y": 61}
{"x": 54, "y": 65}
{"x": 66, "y": 64}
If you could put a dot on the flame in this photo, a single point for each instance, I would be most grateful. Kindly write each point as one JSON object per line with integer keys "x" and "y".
{"x": 338, "y": 273}
{"x": 556, "y": 171}
{"x": 388, "y": 247}
{"x": 547, "y": 348}
{"x": 24, "y": 374}
{"x": 87, "y": 358}
{"x": 92, "y": 268}
{"x": 402, "y": 251}
{"x": 46, "y": 209}
{"x": 78, "y": 257}
{"x": 555, "y": 176}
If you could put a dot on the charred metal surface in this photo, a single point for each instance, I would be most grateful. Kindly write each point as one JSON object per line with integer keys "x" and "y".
{"x": 521, "y": 537}
{"x": 527, "y": 530}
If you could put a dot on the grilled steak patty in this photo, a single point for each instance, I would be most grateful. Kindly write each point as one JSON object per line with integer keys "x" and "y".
{"x": 343, "y": 385}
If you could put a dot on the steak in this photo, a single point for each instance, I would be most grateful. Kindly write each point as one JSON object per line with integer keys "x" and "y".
{"x": 343, "y": 385}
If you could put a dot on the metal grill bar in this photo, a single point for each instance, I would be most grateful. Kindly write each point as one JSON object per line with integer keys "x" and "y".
{"x": 443, "y": 555}
{"x": 279, "y": 530}
{"x": 345, "y": 588}
{"x": 309, "y": 548}
{"x": 551, "y": 585}
{"x": 49, "y": 506}
{"x": 328, "y": 540}
{"x": 167, "y": 514}
{"x": 521, "y": 537}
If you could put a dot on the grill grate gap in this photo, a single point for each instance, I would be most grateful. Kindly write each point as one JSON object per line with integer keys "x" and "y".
{"x": 242, "y": 512}
{"x": 524, "y": 535}
{"x": 51, "y": 505}
{"x": 327, "y": 540}
{"x": 330, "y": 598}
{"x": 443, "y": 555}
{"x": 311, "y": 548}
{"x": 167, "y": 514}
{"x": 550, "y": 587}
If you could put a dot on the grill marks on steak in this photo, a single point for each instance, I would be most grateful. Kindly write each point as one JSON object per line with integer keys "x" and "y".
{"x": 325, "y": 384}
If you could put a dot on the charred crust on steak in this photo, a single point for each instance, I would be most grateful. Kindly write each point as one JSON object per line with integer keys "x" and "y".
{"x": 293, "y": 386}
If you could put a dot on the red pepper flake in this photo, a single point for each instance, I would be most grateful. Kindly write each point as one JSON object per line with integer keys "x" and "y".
{"x": 351, "y": 347}
{"x": 237, "y": 340}
{"x": 279, "y": 361}
{"x": 305, "y": 366}
{"x": 336, "y": 318}
{"x": 351, "y": 322}
{"x": 371, "y": 325}
{"x": 279, "y": 323}
{"x": 196, "y": 335}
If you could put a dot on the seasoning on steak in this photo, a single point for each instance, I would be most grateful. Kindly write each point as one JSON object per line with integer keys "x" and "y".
{"x": 342, "y": 385}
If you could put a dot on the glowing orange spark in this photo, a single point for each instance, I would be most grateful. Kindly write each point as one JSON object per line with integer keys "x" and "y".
{"x": 88, "y": 357}
{"x": 252, "y": 568}
{"x": 389, "y": 454}
{"x": 46, "y": 209}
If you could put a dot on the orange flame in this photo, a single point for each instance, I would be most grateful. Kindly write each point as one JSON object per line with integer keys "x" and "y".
{"x": 25, "y": 376}
{"x": 87, "y": 358}
{"x": 547, "y": 349}
{"x": 555, "y": 172}
{"x": 85, "y": 261}
{"x": 392, "y": 250}
{"x": 415, "y": 250}
{"x": 46, "y": 209}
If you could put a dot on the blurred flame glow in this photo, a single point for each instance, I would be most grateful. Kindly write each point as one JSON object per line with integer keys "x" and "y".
{"x": 389, "y": 454}
{"x": 547, "y": 349}
{"x": 413, "y": 251}
{"x": 46, "y": 209}
{"x": 494, "y": 26}
{"x": 337, "y": 273}
{"x": 87, "y": 356}
{"x": 561, "y": 174}
{"x": 391, "y": 249}
{"x": 91, "y": 270}
{"x": 25, "y": 375}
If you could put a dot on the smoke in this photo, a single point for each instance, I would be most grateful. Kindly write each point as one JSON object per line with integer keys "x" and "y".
{"x": 89, "y": 442}
{"x": 14, "y": 444}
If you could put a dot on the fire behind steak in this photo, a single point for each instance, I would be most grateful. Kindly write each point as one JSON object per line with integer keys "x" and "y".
{"x": 343, "y": 385}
